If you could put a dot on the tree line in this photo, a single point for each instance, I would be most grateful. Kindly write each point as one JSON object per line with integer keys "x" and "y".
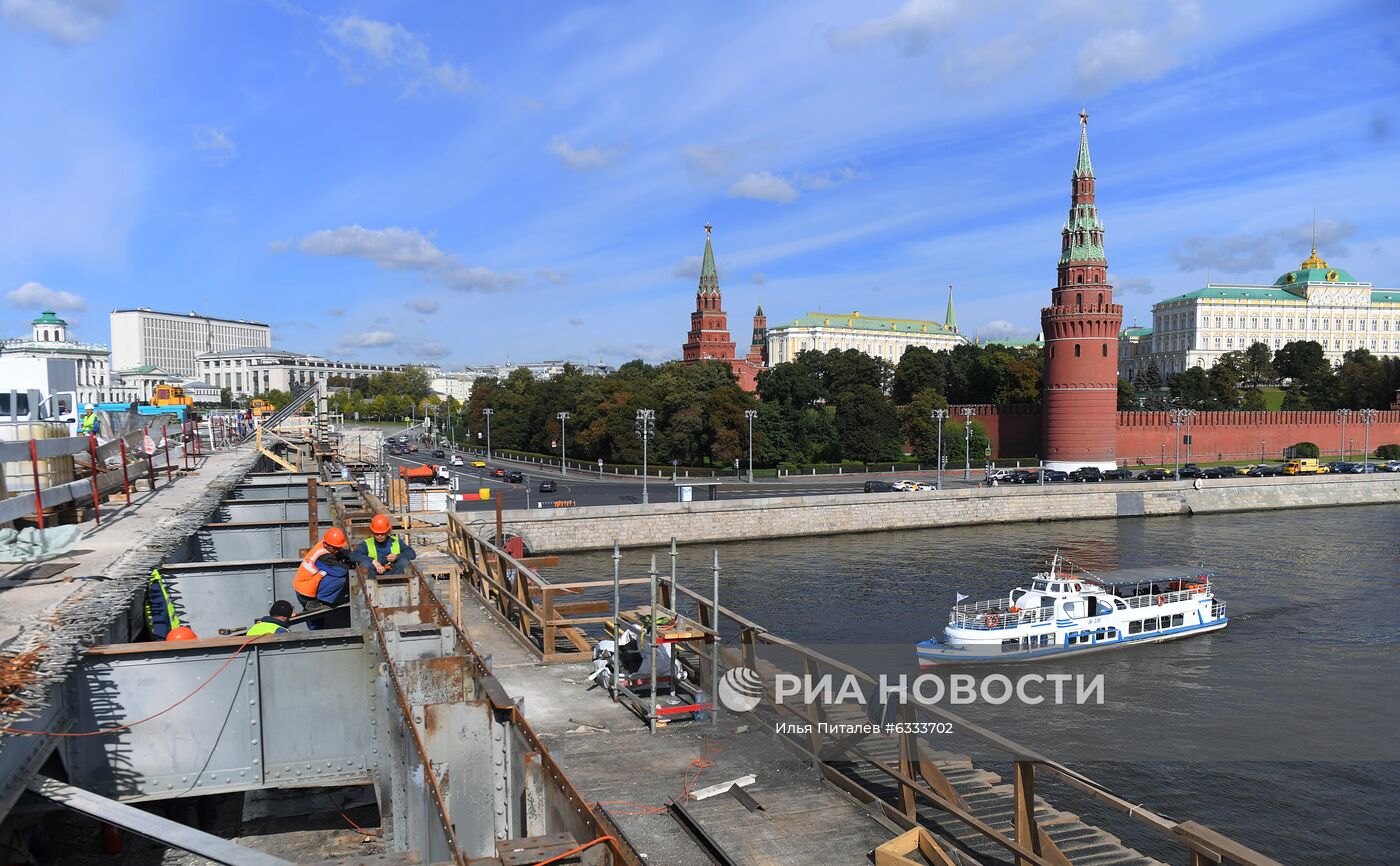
{"x": 1236, "y": 381}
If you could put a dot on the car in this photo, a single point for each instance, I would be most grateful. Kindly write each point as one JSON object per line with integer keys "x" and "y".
{"x": 1265, "y": 470}
{"x": 458, "y": 460}
{"x": 438, "y": 452}
{"x": 1190, "y": 470}
{"x": 1054, "y": 475}
{"x": 1365, "y": 468}
{"x": 547, "y": 486}
{"x": 905, "y": 485}
{"x": 924, "y": 485}
{"x": 412, "y": 449}
{"x": 1154, "y": 475}
{"x": 1086, "y": 473}
{"x": 498, "y": 472}
{"x": 999, "y": 474}
{"x": 1119, "y": 475}
{"x": 515, "y": 476}
{"x": 879, "y": 487}
{"x": 1023, "y": 476}
{"x": 478, "y": 464}
{"x": 1392, "y": 466}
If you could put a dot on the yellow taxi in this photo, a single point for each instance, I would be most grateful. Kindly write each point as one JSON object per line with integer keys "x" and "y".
{"x": 478, "y": 464}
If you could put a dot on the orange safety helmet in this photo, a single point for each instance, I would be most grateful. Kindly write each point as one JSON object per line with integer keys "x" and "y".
{"x": 380, "y": 524}
{"x": 334, "y": 536}
{"x": 182, "y": 632}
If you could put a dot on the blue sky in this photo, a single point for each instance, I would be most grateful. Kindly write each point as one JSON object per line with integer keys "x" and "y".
{"x": 466, "y": 183}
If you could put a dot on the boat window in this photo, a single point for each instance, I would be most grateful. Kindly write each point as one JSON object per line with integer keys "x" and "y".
{"x": 1047, "y": 601}
{"x": 1120, "y": 604}
{"x": 1135, "y": 627}
{"x": 1099, "y": 635}
{"x": 1112, "y": 633}
{"x": 1054, "y": 587}
{"x": 1177, "y": 619}
{"x": 1039, "y": 584}
{"x": 1149, "y": 624}
{"x": 1077, "y": 587}
{"x": 1073, "y": 639}
{"x": 1010, "y": 645}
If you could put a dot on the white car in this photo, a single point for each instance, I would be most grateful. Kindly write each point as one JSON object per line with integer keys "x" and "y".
{"x": 905, "y": 485}
{"x": 458, "y": 460}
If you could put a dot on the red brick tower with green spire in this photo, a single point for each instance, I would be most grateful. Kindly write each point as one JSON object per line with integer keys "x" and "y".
{"x": 709, "y": 324}
{"x": 1080, "y": 398}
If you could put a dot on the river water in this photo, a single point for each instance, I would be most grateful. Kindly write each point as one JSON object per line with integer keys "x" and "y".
{"x": 1282, "y": 731}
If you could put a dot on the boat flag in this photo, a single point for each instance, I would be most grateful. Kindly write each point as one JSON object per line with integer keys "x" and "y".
{"x": 960, "y": 597}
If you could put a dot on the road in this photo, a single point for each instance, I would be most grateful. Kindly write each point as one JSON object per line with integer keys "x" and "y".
{"x": 588, "y": 489}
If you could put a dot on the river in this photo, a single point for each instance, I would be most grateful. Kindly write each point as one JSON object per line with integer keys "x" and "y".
{"x": 1282, "y": 731}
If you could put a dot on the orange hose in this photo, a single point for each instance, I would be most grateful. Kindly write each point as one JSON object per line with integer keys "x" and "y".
{"x": 572, "y": 851}
{"x": 128, "y": 725}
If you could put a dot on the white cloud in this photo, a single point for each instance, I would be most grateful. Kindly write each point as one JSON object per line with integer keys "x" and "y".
{"x": 708, "y": 160}
{"x": 278, "y": 246}
{"x": 400, "y": 249}
{"x": 758, "y": 278}
{"x": 581, "y": 159}
{"x": 368, "y": 340}
{"x": 362, "y": 44}
{"x": 688, "y": 268}
{"x": 826, "y": 179}
{"x": 1259, "y": 251}
{"x": 425, "y": 306}
{"x": 66, "y": 22}
{"x": 1136, "y": 53}
{"x": 1130, "y": 285}
{"x": 39, "y": 296}
{"x": 550, "y": 275}
{"x": 394, "y": 248}
{"x": 1001, "y": 329}
{"x": 214, "y": 143}
{"x": 431, "y": 351}
{"x": 764, "y": 186}
{"x": 913, "y": 27}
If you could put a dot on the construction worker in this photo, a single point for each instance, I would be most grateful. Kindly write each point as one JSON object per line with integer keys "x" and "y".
{"x": 383, "y": 552}
{"x": 323, "y": 578}
{"x": 89, "y": 421}
{"x": 160, "y": 610}
{"x": 276, "y": 620}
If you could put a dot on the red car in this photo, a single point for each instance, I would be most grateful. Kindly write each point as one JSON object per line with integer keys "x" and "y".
{"x": 498, "y": 473}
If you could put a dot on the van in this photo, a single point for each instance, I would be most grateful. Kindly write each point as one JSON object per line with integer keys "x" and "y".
{"x": 1303, "y": 466}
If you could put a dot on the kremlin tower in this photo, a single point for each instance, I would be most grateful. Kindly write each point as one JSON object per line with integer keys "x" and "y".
{"x": 709, "y": 338}
{"x": 1080, "y": 396}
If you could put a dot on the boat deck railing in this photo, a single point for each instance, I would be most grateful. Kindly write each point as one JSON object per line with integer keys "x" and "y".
{"x": 996, "y": 614}
{"x": 1165, "y": 598}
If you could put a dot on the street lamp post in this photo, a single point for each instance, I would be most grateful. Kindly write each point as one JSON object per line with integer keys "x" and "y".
{"x": 1342, "y": 446}
{"x": 1261, "y": 451}
{"x": 1177, "y": 420}
{"x": 646, "y": 423}
{"x": 750, "y": 414}
{"x": 967, "y": 414}
{"x": 1367, "y": 416}
{"x": 939, "y": 415}
{"x": 488, "y": 412}
{"x": 1189, "y": 413}
{"x": 563, "y": 421}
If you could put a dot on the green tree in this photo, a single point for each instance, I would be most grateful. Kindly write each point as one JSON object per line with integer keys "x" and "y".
{"x": 1127, "y": 396}
{"x": 1149, "y": 377}
{"x": 918, "y": 426}
{"x": 1257, "y": 367}
{"x": 955, "y": 443}
{"x": 1224, "y": 387}
{"x": 919, "y": 369}
{"x": 1190, "y": 389}
{"x": 866, "y": 424}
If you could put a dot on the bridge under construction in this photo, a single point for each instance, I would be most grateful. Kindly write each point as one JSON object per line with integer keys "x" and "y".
{"x": 455, "y": 720}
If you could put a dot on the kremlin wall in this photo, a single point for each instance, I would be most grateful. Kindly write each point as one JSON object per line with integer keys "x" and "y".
{"x": 1078, "y": 422}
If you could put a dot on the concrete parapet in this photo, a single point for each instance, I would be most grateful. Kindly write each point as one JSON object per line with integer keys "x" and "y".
{"x": 595, "y": 528}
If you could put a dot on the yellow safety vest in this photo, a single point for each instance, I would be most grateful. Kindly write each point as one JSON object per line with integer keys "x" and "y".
{"x": 373, "y": 550}
{"x": 89, "y": 422}
{"x": 165, "y": 596}
{"x": 262, "y": 627}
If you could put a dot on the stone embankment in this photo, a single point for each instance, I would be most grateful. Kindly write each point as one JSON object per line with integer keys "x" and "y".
{"x": 794, "y": 516}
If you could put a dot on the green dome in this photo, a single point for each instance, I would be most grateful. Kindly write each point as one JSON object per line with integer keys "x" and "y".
{"x": 48, "y": 318}
{"x": 1315, "y": 275}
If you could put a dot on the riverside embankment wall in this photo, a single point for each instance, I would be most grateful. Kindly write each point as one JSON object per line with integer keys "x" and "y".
{"x": 795, "y": 516}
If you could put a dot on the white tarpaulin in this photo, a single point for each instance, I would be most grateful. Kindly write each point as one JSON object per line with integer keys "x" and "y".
{"x": 37, "y": 545}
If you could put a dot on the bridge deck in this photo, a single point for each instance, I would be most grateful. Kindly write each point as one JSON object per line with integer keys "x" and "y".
{"x": 630, "y": 770}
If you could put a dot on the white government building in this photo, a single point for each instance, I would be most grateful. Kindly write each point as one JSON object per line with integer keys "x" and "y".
{"x": 1315, "y": 302}
{"x": 49, "y": 339}
{"x": 877, "y": 336}
{"x": 249, "y": 371}
{"x": 172, "y": 341}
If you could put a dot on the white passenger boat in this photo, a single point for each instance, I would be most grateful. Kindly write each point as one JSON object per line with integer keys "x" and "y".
{"x": 1066, "y": 611}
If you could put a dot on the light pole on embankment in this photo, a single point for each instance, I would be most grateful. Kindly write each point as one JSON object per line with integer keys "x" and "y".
{"x": 1367, "y": 416}
{"x": 1342, "y": 445}
{"x": 750, "y": 414}
{"x": 967, "y": 414}
{"x": 488, "y": 412}
{"x": 563, "y": 461}
{"x": 939, "y": 415}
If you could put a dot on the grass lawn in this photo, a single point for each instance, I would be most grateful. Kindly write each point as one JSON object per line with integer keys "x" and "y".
{"x": 1273, "y": 398}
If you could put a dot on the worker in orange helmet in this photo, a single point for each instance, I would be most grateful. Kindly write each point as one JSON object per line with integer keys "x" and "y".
{"x": 384, "y": 552}
{"x": 323, "y": 578}
{"x": 181, "y": 632}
